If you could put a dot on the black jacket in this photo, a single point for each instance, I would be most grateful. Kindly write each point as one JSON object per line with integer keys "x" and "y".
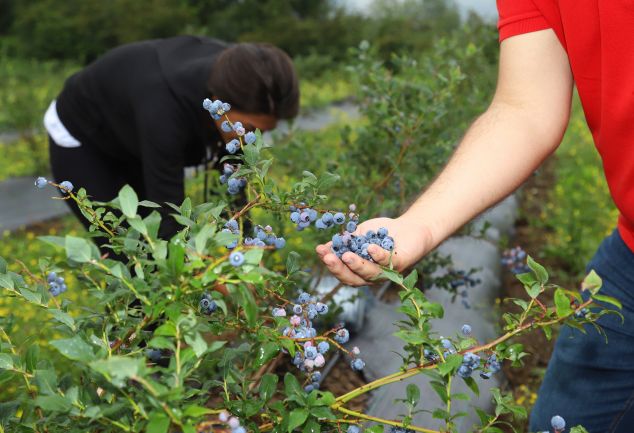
{"x": 143, "y": 102}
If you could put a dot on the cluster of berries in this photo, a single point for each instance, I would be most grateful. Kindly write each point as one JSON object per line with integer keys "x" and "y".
{"x": 312, "y": 354}
{"x": 461, "y": 279}
{"x": 358, "y": 244}
{"x": 264, "y": 236}
{"x": 216, "y": 108}
{"x": 231, "y": 226}
{"x": 232, "y": 422}
{"x": 235, "y": 145}
{"x": 207, "y": 305}
{"x": 514, "y": 260}
{"x": 303, "y": 216}
{"x": 471, "y": 362}
{"x": 558, "y": 423}
{"x": 400, "y": 430}
{"x": 234, "y": 184}
{"x": 56, "y": 285}
{"x": 65, "y": 186}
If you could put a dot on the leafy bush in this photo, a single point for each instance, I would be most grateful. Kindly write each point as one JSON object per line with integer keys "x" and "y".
{"x": 182, "y": 332}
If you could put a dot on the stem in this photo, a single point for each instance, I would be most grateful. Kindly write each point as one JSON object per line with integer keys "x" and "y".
{"x": 154, "y": 394}
{"x": 131, "y": 331}
{"x": 384, "y": 421}
{"x": 449, "y": 423}
{"x": 402, "y": 375}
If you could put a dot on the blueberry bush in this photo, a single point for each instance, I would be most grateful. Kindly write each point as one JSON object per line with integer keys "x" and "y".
{"x": 183, "y": 334}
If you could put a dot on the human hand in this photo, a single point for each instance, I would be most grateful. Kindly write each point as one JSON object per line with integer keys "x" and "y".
{"x": 411, "y": 243}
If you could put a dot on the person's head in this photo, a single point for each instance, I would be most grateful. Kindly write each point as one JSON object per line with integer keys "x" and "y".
{"x": 260, "y": 83}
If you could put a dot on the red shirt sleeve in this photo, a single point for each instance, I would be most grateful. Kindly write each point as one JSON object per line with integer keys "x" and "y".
{"x": 518, "y": 17}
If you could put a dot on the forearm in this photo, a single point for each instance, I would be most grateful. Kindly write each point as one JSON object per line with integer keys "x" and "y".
{"x": 499, "y": 152}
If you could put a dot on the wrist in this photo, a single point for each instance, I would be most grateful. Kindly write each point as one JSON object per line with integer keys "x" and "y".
{"x": 421, "y": 230}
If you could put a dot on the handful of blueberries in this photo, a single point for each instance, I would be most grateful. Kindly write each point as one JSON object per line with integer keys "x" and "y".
{"x": 358, "y": 244}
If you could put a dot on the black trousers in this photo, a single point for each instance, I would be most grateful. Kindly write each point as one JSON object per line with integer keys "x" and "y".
{"x": 100, "y": 174}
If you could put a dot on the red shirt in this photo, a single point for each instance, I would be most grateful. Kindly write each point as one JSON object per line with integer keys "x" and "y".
{"x": 599, "y": 39}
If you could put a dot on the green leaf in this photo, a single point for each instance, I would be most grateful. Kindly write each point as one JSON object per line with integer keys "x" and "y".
{"x": 117, "y": 368}
{"x": 200, "y": 241}
{"x": 253, "y": 256}
{"x": 78, "y": 249}
{"x": 137, "y": 224}
{"x": 74, "y": 348}
{"x": 578, "y": 429}
{"x": 265, "y": 353}
{"x": 608, "y": 300}
{"x": 128, "y": 200}
{"x": 176, "y": 259}
{"x": 527, "y": 278}
{"x": 268, "y": 385}
{"x": 592, "y": 282}
{"x": 473, "y": 385}
{"x": 197, "y": 343}
{"x": 63, "y": 317}
{"x": 46, "y": 381}
{"x": 54, "y": 403}
{"x": 297, "y": 418}
{"x": 3, "y": 265}
{"x": 451, "y": 363}
{"x": 312, "y": 426}
{"x": 538, "y": 270}
{"x": 32, "y": 297}
{"x": 411, "y": 279}
{"x": 413, "y": 394}
{"x": 31, "y": 357}
{"x": 158, "y": 423}
{"x": 391, "y": 275}
{"x": 292, "y": 262}
{"x": 196, "y": 411}
{"x": 291, "y": 385}
{"x": 562, "y": 303}
{"x": 6, "y": 282}
{"x": 6, "y": 362}
{"x": 56, "y": 241}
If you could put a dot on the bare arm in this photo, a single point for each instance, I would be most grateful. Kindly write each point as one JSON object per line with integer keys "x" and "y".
{"x": 523, "y": 125}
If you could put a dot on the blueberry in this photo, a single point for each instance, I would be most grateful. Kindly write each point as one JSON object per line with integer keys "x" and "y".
{"x": 295, "y": 217}
{"x": 310, "y": 352}
{"x": 66, "y": 186}
{"x": 280, "y": 243}
{"x": 353, "y": 429}
{"x": 466, "y": 329}
{"x": 41, "y": 182}
{"x": 236, "y": 258}
{"x": 327, "y": 218}
{"x": 303, "y": 298}
{"x": 339, "y": 218}
{"x": 297, "y": 309}
{"x": 233, "y": 146}
{"x": 351, "y": 226}
{"x": 357, "y": 364}
{"x": 323, "y": 347}
{"x": 250, "y": 137}
{"x": 342, "y": 336}
{"x": 226, "y": 127}
{"x": 382, "y": 232}
{"x": 558, "y": 423}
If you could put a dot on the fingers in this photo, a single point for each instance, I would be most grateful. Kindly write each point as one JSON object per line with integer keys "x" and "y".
{"x": 360, "y": 267}
{"x": 381, "y": 256}
{"x": 323, "y": 250}
{"x": 341, "y": 271}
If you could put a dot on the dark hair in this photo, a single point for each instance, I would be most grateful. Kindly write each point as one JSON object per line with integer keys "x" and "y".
{"x": 256, "y": 78}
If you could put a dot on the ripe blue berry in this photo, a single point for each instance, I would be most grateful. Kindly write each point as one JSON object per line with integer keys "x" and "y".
{"x": 357, "y": 364}
{"x": 233, "y": 146}
{"x": 280, "y": 243}
{"x": 558, "y": 423}
{"x": 351, "y": 226}
{"x": 66, "y": 186}
{"x": 297, "y": 309}
{"x": 236, "y": 258}
{"x": 339, "y": 218}
{"x": 327, "y": 218}
{"x": 310, "y": 352}
{"x": 41, "y": 182}
{"x": 353, "y": 429}
{"x": 446, "y": 343}
{"x": 250, "y": 137}
{"x": 342, "y": 336}
{"x": 226, "y": 127}
{"x": 303, "y": 298}
{"x": 466, "y": 329}
{"x": 323, "y": 347}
